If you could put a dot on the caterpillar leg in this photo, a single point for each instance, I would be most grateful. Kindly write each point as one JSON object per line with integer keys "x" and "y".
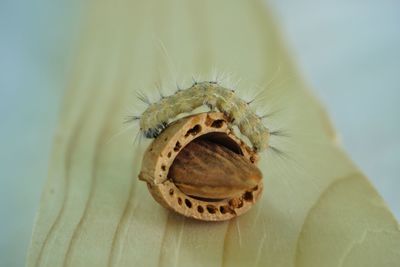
{"x": 211, "y": 107}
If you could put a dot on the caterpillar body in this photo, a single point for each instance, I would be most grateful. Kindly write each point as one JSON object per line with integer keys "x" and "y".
{"x": 157, "y": 115}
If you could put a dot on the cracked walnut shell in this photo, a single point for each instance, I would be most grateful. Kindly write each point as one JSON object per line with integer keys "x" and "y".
{"x": 198, "y": 168}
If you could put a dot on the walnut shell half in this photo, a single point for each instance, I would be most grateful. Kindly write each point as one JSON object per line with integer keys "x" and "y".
{"x": 225, "y": 203}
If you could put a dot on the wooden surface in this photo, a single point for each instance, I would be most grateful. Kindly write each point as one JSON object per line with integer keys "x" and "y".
{"x": 317, "y": 208}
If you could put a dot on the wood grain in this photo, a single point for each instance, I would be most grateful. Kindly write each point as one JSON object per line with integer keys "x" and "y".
{"x": 317, "y": 208}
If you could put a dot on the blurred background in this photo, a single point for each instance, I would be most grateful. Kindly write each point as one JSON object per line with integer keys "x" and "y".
{"x": 347, "y": 50}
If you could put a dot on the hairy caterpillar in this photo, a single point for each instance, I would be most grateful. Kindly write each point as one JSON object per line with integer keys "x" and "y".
{"x": 157, "y": 115}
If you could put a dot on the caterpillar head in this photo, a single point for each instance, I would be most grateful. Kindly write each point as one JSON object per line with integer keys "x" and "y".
{"x": 154, "y": 132}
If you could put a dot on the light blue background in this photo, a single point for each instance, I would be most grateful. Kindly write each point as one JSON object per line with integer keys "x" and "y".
{"x": 36, "y": 40}
{"x": 349, "y": 51}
